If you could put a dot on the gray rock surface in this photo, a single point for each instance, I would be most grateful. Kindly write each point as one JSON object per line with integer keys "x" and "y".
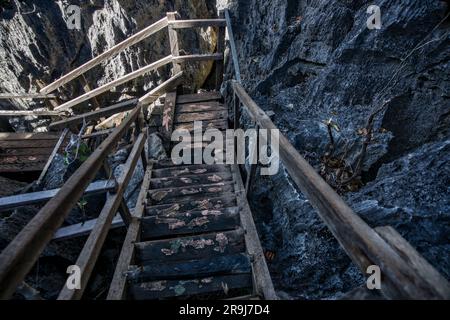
{"x": 311, "y": 61}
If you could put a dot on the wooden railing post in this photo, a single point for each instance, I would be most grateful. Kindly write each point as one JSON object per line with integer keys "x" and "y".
{"x": 253, "y": 157}
{"x": 173, "y": 42}
{"x": 220, "y": 50}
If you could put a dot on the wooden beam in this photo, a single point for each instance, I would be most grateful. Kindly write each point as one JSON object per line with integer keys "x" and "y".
{"x": 155, "y": 27}
{"x": 118, "y": 283}
{"x": 27, "y": 96}
{"x": 17, "y": 259}
{"x": 220, "y": 50}
{"x": 262, "y": 281}
{"x": 198, "y": 57}
{"x": 91, "y": 250}
{"x": 27, "y": 113}
{"x": 168, "y": 118}
{"x": 362, "y": 244}
{"x": 234, "y": 56}
{"x": 413, "y": 258}
{"x": 197, "y": 23}
{"x": 83, "y": 229}
{"x": 94, "y": 115}
{"x": 20, "y": 200}
{"x": 173, "y": 42}
{"x": 115, "y": 83}
{"x": 52, "y": 155}
{"x": 161, "y": 89}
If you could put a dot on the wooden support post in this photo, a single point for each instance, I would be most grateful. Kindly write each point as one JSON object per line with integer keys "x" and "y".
{"x": 168, "y": 118}
{"x": 52, "y": 155}
{"x": 220, "y": 50}
{"x": 118, "y": 283}
{"x": 91, "y": 250}
{"x": 253, "y": 166}
{"x": 173, "y": 42}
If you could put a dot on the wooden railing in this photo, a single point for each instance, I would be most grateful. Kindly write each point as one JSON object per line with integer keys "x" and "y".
{"x": 17, "y": 259}
{"x": 405, "y": 274}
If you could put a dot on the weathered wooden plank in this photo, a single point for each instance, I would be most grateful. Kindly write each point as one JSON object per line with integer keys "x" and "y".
{"x": 190, "y": 180}
{"x": 173, "y": 288}
{"x": 83, "y": 229}
{"x": 27, "y": 96}
{"x": 97, "y": 134}
{"x": 198, "y": 57}
{"x": 24, "y": 159}
{"x": 262, "y": 281}
{"x": 21, "y": 200}
{"x": 197, "y": 23}
{"x": 28, "y": 143}
{"x": 22, "y": 167}
{"x": 232, "y": 264}
{"x": 208, "y": 124}
{"x": 414, "y": 259}
{"x": 52, "y": 156}
{"x": 144, "y": 33}
{"x": 198, "y": 97}
{"x": 363, "y": 245}
{"x": 168, "y": 118}
{"x": 91, "y": 250}
{"x": 94, "y": 115}
{"x": 112, "y": 84}
{"x": 25, "y": 152}
{"x": 188, "y": 223}
{"x": 183, "y": 170}
{"x": 19, "y": 256}
{"x": 161, "y": 89}
{"x": 219, "y": 202}
{"x": 171, "y": 195}
{"x": 29, "y": 136}
{"x": 118, "y": 283}
{"x": 200, "y": 116}
{"x": 190, "y": 248}
{"x": 201, "y": 106}
{"x": 28, "y": 113}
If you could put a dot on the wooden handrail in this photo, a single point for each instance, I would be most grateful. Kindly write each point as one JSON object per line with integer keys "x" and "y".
{"x": 155, "y": 27}
{"x": 27, "y": 96}
{"x": 197, "y": 23}
{"x": 362, "y": 243}
{"x": 234, "y": 56}
{"x": 115, "y": 83}
{"x": 17, "y": 259}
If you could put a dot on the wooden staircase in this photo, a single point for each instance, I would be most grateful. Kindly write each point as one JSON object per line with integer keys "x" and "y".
{"x": 197, "y": 237}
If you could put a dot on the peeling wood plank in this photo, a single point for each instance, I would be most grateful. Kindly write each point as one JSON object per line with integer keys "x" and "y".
{"x": 190, "y": 180}
{"x": 220, "y": 202}
{"x": 207, "y": 267}
{"x": 189, "y": 223}
{"x": 189, "y": 248}
{"x": 173, "y": 288}
{"x": 168, "y": 119}
{"x": 200, "y": 116}
{"x": 118, "y": 283}
{"x": 200, "y": 107}
{"x": 198, "y": 97}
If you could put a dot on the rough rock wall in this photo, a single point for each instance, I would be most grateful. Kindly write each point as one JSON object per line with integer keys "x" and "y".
{"x": 36, "y": 43}
{"x": 311, "y": 61}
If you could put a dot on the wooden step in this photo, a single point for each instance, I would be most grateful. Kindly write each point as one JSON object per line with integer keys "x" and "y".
{"x": 200, "y": 116}
{"x": 190, "y": 223}
{"x": 222, "y": 286}
{"x": 190, "y": 180}
{"x": 191, "y": 248}
{"x": 200, "y": 107}
{"x": 198, "y": 97}
{"x": 167, "y": 210}
{"x": 184, "y": 170}
{"x": 221, "y": 124}
{"x": 171, "y": 195}
{"x": 207, "y": 267}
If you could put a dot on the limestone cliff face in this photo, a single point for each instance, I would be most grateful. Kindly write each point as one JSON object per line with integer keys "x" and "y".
{"x": 37, "y": 44}
{"x": 311, "y": 61}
